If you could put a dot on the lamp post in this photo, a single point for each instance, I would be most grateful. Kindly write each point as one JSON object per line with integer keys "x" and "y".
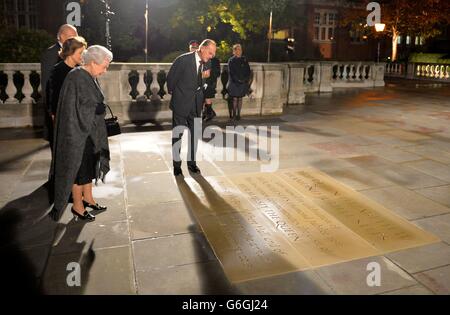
{"x": 379, "y": 27}
{"x": 146, "y": 31}
{"x": 270, "y": 35}
{"x": 107, "y": 13}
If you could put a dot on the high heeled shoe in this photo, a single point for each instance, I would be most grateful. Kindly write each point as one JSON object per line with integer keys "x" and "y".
{"x": 94, "y": 207}
{"x": 85, "y": 216}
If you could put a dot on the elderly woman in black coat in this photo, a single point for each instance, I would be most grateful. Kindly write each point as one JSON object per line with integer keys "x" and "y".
{"x": 81, "y": 151}
{"x": 238, "y": 82}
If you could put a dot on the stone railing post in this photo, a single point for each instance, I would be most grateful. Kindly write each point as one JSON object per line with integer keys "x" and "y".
{"x": 378, "y": 74}
{"x": 296, "y": 89}
{"x": 326, "y": 74}
{"x": 272, "y": 102}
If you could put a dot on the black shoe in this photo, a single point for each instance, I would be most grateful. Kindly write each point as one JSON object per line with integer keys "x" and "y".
{"x": 85, "y": 216}
{"x": 213, "y": 114}
{"x": 194, "y": 169}
{"x": 94, "y": 207}
{"x": 177, "y": 171}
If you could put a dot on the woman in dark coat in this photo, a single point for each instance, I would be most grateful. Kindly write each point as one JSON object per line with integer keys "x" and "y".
{"x": 71, "y": 57}
{"x": 210, "y": 91}
{"x": 238, "y": 82}
{"x": 81, "y": 151}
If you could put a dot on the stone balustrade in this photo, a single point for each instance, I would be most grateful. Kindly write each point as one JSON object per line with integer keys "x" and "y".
{"x": 137, "y": 92}
{"x": 421, "y": 71}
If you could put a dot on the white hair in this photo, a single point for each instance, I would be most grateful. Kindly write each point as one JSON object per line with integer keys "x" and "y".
{"x": 97, "y": 54}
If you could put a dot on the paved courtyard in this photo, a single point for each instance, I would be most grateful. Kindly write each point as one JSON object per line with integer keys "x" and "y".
{"x": 391, "y": 144}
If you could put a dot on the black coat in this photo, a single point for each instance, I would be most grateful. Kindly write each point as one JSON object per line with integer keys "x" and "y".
{"x": 54, "y": 84}
{"x": 76, "y": 120}
{"x": 239, "y": 76}
{"x": 182, "y": 84}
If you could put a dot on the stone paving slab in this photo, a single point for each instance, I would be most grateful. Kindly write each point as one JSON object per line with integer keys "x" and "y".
{"x": 438, "y": 225}
{"x": 437, "y": 280}
{"x": 171, "y": 251}
{"x": 405, "y": 202}
{"x": 414, "y": 290}
{"x": 351, "y": 277}
{"x": 158, "y": 220}
{"x": 439, "y": 194}
{"x": 435, "y": 169}
{"x": 422, "y": 258}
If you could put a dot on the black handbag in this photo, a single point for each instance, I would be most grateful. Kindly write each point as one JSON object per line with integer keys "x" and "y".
{"x": 112, "y": 124}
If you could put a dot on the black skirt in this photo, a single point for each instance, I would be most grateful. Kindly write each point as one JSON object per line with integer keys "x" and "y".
{"x": 86, "y": 172}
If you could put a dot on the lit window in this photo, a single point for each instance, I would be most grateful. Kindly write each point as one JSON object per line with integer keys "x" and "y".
{"x": 399, "y": 40}
{"x": 317, "y": 19}
{"x": 324, "y": 18}
{"x": 408, "y": 40}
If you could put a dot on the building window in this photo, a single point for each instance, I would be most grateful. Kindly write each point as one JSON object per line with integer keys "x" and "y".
{"x": 21, "y": 13}
{"x": 399, "y": 40}
{"x": 408, "y": 40}
{"x": 317, "y": 19}
{"x": 330, "y": 33}
{"x": 324, "y": 25}
{"x": 316, "y": 33}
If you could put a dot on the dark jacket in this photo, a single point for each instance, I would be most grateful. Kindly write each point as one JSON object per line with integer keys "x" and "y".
{"x": 214, "y": 66}
{"x": 239, "y": 76}
{"x": 54, "y": 84}
{"x": 49, "y": 58}
{"x": 76, "y": 120}
{"x": 182, "y": 84}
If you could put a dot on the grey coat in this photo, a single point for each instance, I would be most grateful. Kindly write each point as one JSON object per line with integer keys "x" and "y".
{"x": 183, "y": 86}
{"x": 76, "y": 120}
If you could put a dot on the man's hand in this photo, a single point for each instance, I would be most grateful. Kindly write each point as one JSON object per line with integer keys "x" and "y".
{"x": 206, "y": 74}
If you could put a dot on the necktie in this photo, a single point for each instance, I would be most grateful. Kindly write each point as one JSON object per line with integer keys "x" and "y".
{"x": 199, "y": 75}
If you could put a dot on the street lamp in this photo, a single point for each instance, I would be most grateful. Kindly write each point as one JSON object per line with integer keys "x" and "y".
{"x": 270, "y": 35}
{"x": 107, "y": 13}
{"x": 146, "y": 31}
{"x": 379, "y": 27}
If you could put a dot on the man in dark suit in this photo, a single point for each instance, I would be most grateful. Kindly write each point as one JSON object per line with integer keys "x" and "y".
{"x": 49, "y": 58}
{"x": 185, "y": 82}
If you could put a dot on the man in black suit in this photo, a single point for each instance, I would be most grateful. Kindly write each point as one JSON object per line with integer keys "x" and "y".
{"x": 49, "y": 58}
{"x": 185, "y": 82}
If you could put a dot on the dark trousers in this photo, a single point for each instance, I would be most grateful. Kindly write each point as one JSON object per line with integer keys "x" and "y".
{"x": 187, "y": 122}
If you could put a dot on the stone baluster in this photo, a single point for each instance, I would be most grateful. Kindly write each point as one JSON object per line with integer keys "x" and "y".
{"x": 141, "y": 86}
{"x": 344, "y": 72}
{"x": 11, "y": 90}
{"x": 125, "y": 86}
{"x": 154, "y": 87}
{"x": 358, "y": 71}
{"x": 27, "y": 89}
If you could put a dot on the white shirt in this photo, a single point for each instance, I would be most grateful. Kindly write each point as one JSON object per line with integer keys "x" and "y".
{"x": 197, "y": 60}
